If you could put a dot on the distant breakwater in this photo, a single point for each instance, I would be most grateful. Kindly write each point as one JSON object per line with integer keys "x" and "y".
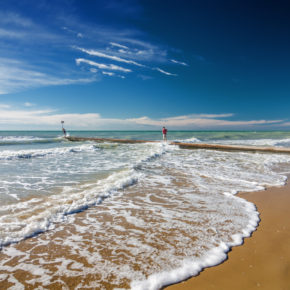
{"x": 190, "y": 145}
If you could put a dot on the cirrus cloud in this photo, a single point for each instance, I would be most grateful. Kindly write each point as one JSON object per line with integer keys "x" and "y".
{"x": 111, "y": 57}
{"x": 102, "y": 65}
{"x": 165, "y": 72}
{"x": 17, "y": 75}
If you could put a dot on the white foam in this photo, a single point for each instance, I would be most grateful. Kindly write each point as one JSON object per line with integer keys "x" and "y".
{"x": 191, "y": 140}
{"x": 73, "y": 199}
{"x": 218, "y": 254}
{"x": 20, "y": 138}
{"x": 192, "y": 267}
{"x": 256, "y": 142}
{"x": 36, "y": 153}
{"x": 187, "y": 196}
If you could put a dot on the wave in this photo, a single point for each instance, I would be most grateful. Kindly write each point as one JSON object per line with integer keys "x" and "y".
{"x": 43, "y": 215}
{"x": 257, "y": 142}
{"x": 37, "y": 153}
{"x": 250, "y": 142}
{"x": 21, "y": 140}
{"x": 223, "y": 170}
{"x": 189, "y": 140}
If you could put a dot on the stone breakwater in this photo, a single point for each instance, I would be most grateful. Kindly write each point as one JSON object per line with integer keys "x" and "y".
{"x": 191, "y": 145}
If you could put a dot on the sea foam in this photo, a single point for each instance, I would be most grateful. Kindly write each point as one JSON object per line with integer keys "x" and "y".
{"x": 163, "y": 213}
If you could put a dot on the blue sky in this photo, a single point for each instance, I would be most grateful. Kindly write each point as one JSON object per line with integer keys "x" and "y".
{"x": 130, "y": 65}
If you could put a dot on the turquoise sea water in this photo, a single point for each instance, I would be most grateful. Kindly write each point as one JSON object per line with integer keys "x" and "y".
{"x": 189, "y": 195}
{"x": 157, "y": 135}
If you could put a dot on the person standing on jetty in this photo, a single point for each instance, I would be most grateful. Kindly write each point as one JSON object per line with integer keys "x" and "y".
{"x": 63, "y": 129}
{"x": 164, "y": 132}
{"x": 64, "y": 132}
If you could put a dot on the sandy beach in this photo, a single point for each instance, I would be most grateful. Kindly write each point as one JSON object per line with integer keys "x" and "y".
{"x": 263, "y": 261}
{"x": 131, "y": 216}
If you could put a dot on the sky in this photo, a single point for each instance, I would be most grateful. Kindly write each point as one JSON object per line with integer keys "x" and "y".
{"x": 141, "y": 65}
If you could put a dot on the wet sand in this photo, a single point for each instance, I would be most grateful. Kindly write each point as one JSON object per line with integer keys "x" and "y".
{"x": 263, "y": 261}
{"x": 73, "y": 254}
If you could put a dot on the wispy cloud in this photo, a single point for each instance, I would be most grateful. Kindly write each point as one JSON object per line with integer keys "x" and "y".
{"x": 73, "y": 32}
{"x": 102, "y": 65}
{"x": 108, "y": 73}
{"x": 44, "y": 118}
{"x": 112, "y": 74}
{"x": 125, "y": 50}
{"x": 285, "y": 124}
{"x": 111, "y": 57}
{"x": 28, "y": 104}
{"x": 4, "y": 106}
{"x": 49, "y": 118}
{"x": 12, "y": 34}
{"x": 16, "y": 75}
{"x": 119, "y": 45}
{"x": 179, "y": 62}
{"x": 12, "y": 18}
{"x": 165, "y": 72}
{"x": 144, "y": 51}
{"x": 202, "y": 121}
{"x": 41, "y": 63}
{"x": 213, "y": 115}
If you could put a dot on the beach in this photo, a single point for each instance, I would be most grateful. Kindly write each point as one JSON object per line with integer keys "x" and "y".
{"x": 263, "y": 261}
{"x": 103, "y": 215}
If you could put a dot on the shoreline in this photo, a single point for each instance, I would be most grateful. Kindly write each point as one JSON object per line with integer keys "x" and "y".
{"x": 263, "y": 260}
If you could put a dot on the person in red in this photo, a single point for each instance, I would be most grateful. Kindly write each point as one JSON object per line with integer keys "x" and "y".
{"x": 164, "y": 132}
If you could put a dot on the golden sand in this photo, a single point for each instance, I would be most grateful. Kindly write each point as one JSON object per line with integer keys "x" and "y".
{"x": 263, "y": 262}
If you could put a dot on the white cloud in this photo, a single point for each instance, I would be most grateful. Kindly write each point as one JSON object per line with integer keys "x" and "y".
{"x": 4, "y": 106}
{"x": 112, "y": 57}
{"x": 49, "y": 118}
{"x": 46, "y": 119}
{"x": 286, "y": 124}
{"x": 140, "y": 50}
{"x": 111, "y": 74}
{"x": 101, "y": 65}
{"x": 16, "y": 75}
{"x": 119, "y": 45}
{"x": 14, "y": 19}
{"x": 213, "y": 115}
{"x": 179, "y": 62}
{"x": 28, "y": 104}
{"x": 165, "y": 72}
{"x": 9, "y": 33}
{"x": 77, "y": 34}
{"x": 200, "y": 121}
{"x": 127, "y": 47}
{"x": 123, "y": 51}
{"x": 108, "y": 73}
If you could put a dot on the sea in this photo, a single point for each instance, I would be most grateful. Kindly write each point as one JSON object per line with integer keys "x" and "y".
{"x": 101, "y": 215}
